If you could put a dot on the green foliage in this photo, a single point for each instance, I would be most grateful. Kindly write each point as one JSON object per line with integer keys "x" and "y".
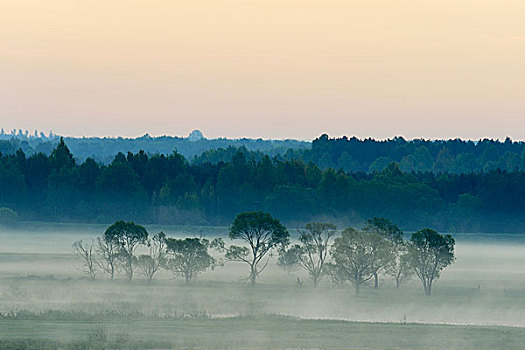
{"x": 357, "y": 255}
{"x": 428, "y": 254}
{"x": 127, "y": 236}
{"x": 167, "y": 189}
{"x": 288, "y": 259}
{"x": 384, "y": 227}
{"x": 188, "y": 257}
{"x": 262, "y": 233}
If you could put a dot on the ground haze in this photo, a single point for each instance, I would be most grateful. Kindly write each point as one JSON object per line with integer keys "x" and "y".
{"x": 477, "y": 303}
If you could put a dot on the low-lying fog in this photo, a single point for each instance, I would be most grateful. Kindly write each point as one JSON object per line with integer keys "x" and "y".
{"x": 39, "y": 272}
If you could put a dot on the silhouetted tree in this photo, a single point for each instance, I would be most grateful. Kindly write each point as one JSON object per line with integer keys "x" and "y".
{"x": 108, "y": 251}
{"x": 150, "y": 263}
{"x": 313, "y": 250}
{"x": 400, "y": 270}
{"x": 356, "y": 253}
{"x": 86, "y": 252}
{"x": 128, "y": 236}
{"x": 262, "y": 233}
{"x": 389, "y": 231}
{"x": 288, "y": 259}
{"x": 188, "y": 257}
{"x": 428, "y": 254}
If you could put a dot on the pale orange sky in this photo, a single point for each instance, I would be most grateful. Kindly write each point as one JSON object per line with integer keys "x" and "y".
{"x": 272, "y": 69}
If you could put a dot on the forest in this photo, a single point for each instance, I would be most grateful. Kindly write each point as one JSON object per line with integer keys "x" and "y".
{"x": 368, "y": 155}
{"x": 168, "y": 189}
{"x": 348, "y": 154}
{"x": 103, "y": 149}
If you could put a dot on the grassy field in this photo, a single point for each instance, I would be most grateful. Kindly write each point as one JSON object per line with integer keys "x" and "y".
{"x": 46, "y": 302}
{"x": 267, "y": 332}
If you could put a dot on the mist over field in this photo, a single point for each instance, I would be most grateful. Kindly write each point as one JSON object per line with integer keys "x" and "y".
{"x": 42, "y": 289}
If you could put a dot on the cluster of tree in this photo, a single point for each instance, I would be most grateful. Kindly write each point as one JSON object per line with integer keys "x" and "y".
{"x": 361, "y": 256}
{"x": 170, "y": 190}
{"x": 370, "y": 156}
{"x": 103, "y": 150}
{"x": 116, "y": 251}
{"x": 440, "y": 156}
{"x": 348, "y": 154}
{"x": 357, "y": 256}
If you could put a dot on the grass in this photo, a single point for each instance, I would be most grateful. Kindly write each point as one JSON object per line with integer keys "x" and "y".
{"x": 266, "y": 332}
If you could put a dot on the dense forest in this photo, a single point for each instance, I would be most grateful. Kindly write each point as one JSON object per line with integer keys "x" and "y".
{"x": 369, "y": 155}
{"x": 348, "y": 154}
{"x": 168, "y": 189}
{"x": 104, "y": 149}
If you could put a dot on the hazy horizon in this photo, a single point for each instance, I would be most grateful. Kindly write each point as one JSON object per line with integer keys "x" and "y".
{"x": 206, "y": 136}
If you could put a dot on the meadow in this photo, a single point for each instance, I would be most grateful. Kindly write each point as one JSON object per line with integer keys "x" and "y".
{"x": 46, "y": 302}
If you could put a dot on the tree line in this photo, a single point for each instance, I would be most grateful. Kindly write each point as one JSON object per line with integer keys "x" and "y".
{"x": 348, "y": 154}
{"x": 170, "y": 190}
{"x": 356, "y": 256}
{"x": 116, "y": 251}
{"x": 368, "y": 155}
{"x": 103, "y": 149}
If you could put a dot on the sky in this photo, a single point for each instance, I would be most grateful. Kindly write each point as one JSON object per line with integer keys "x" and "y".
{"x": 270, "y": 69}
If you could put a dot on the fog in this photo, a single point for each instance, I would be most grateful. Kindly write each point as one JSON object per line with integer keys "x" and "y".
{"x": 39, "y": 273}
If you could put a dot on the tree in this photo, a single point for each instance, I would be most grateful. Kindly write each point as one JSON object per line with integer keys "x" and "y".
{"x": 61, "y": 157}
{"x": 313, "y": 252}
{"x": 262, "y": 233}
{"x": 189, "y": 257}
{"x": 288, "y": 258}
{"x": 150, "y": 263}
{"x": 128, "y": 236}
{"x": 86, "y": 252}
{"x": 356, "y": 253}
{"x": 400, "y": 270}
{"x": 108, "y": 252}
{"x": 337, "y": 275}
{"x": 428, "y": 254}
{"x": 389, "y": 231}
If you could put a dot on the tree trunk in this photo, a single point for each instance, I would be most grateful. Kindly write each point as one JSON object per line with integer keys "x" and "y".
{"x": 253, "y": 275}
{"x": 429, "y": 288}
{"x": 130, "y": 270}
{"x": 357, "y": 285}
{"x": 427, "y": 285}
{"x": 376, "y": 280}
{"x": 316, "y": 281}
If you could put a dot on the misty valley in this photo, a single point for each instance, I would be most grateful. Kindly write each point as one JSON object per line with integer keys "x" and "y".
{"x": 49, "y": 300}
{"x": 262, "y": 175}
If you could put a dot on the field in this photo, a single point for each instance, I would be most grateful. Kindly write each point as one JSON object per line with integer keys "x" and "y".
{"x": 46, "y": 302}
